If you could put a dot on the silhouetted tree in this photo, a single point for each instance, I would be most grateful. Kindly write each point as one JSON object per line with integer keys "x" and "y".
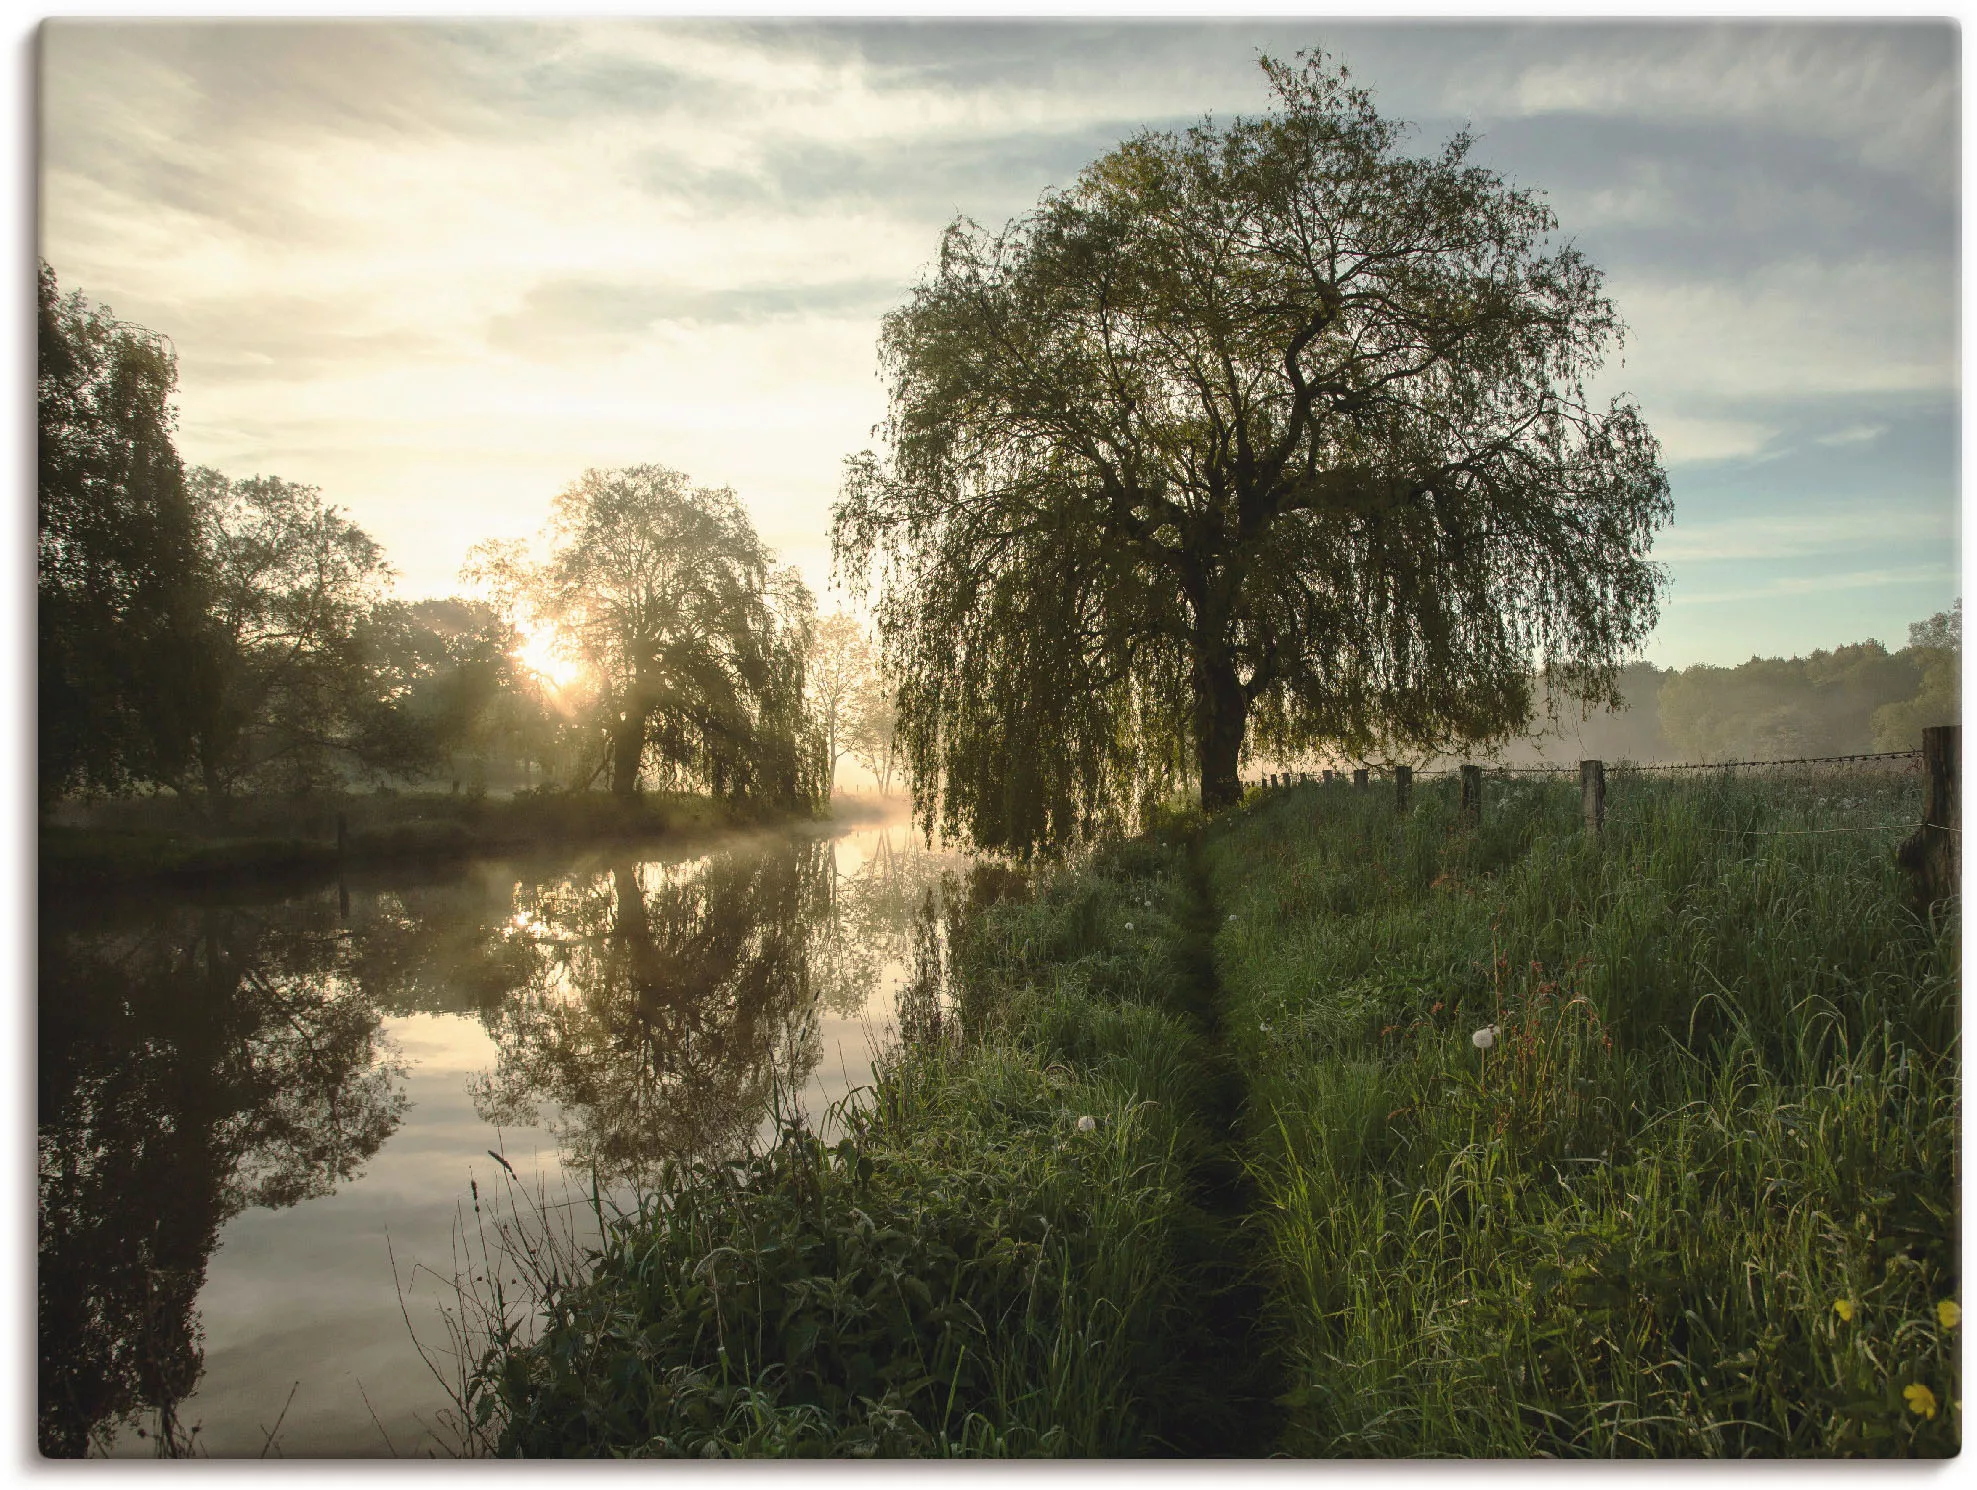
{"x": 1272, "y": 429}
{"x": 280, "y": 693}
{"x": 695, "y": 642}
{"x": 118, "y": 588}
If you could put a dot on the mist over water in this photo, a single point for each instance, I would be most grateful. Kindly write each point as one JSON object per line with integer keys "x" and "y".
{"x": 253, "y": 1111}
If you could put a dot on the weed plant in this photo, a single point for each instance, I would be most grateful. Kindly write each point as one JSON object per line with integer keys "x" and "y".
{"x": 1636, "y": 1144}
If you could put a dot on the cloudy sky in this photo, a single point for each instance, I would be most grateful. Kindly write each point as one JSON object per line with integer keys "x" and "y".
{"x": 438, "y": 269}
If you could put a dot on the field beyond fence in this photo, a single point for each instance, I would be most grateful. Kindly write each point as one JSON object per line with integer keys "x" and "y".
{"x": 1913, "y": 792}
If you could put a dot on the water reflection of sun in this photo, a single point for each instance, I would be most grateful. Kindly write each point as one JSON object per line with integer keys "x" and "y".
{"x": 541, "y": 654}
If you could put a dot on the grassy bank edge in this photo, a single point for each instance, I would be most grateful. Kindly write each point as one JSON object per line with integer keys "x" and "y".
{"x": 424, "y": 829}
{"x": 1021, "y": 1246}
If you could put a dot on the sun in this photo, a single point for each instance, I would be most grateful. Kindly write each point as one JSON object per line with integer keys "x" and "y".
{"x": 541, "y": 655}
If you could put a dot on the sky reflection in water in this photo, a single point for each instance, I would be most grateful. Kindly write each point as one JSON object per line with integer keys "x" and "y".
{"x": 242, "y": 1105}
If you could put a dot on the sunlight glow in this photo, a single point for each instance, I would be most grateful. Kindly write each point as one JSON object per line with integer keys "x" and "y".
{"x": 542, "y": 655}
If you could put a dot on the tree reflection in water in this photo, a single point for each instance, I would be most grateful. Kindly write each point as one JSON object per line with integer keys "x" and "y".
{"x": 196, "y": 1060}
{"x": 666, "y": 1005}
{"x": 669, "y": 1004}
{"x": 208, "y": 1061}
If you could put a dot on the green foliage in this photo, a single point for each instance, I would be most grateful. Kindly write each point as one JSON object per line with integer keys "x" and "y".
{"x": 278, "y": 690}
{"x": 1273, "y": 425}
{"x": 118, "y": 564}
{"x": 1781, "y": 708}
{"x": 1721, "y": 1099}
{"x": 1937, "y": 647}
{"x": 1849, "y": 701}
{"x": 695, "y": 645}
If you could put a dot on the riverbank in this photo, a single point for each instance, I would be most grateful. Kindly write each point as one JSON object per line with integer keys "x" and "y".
{"x": 138, "y": 846}
{"x": 1406, "y": 1136}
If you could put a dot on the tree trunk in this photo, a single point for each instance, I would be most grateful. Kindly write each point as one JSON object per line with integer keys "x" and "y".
{"x": 1221, "y": 719}
{"x": 627, "y": 749}
{"x": 219, "y": 802}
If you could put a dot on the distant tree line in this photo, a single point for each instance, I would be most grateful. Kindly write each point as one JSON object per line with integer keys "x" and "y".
{"x": 210, "y": 637}
{"x": 1851, "y": 700}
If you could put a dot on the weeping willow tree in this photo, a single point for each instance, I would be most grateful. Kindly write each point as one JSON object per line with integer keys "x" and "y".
{"x": 1268, "y": 436}
{"x": 692, "y": 641}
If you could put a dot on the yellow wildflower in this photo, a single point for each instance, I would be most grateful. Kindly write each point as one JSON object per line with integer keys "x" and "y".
{"x": 1844, "y": 1308}
{"x": 1920, "y": 1399}
{"x": 1948, "y": 1315}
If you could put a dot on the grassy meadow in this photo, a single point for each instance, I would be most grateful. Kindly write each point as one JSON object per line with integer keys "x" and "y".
{"x": 1698, "y": 1196}
{"x": 1322, "y": 1130}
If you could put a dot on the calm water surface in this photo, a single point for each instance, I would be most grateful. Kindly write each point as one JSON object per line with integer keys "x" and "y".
{"x": 259, "y": 1120}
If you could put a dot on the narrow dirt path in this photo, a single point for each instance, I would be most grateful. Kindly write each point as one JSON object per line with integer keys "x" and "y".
{"x": 1227, "y": 1357}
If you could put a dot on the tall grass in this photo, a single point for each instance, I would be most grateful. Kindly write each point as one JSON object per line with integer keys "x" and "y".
{"x": 992, "y": 1260}
{"x": 1643, "y": 1144}
{"x": 1699, "y": 1194}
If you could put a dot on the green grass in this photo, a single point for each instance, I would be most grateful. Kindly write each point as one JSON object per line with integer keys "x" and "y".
{"x": 1723, "y": 1098}
{"x": 1720, "y": 1099}
{"x": 967, "y": 1272}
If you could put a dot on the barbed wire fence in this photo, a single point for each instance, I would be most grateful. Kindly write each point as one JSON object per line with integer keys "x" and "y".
{"x": 1894, "y": 787}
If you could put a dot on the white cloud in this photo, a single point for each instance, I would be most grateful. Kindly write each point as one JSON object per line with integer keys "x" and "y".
{"x": 1685, "y": 439}
{"x": 1802, "y": 534}
{"x": 1881, "y": 94}
{"x": 1803, "y": 328}
{"x": 1905, "y": 576}
{"x": 1852, "y": 434}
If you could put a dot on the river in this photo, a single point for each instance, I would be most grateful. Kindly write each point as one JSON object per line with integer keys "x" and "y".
{"x": 266, "y": 1121}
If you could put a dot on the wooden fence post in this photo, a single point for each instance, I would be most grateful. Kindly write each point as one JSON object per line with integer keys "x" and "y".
{"x": 1359, "y": 779}
{"x": 1592, "y": 794}
{"x": 1328, "y": 778}
{"x": 1403, "y": 786}
{"x": 1472, "y": 793}
{"x": 1933, "y": 854}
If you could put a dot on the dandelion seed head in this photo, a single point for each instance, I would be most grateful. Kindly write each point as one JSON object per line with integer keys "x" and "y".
{"x": 1087, "y": 1123}
{"x": 1485, "y": 1037}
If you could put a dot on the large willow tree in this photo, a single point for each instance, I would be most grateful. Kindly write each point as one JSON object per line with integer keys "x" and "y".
{"x": 1267, "y": 435}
